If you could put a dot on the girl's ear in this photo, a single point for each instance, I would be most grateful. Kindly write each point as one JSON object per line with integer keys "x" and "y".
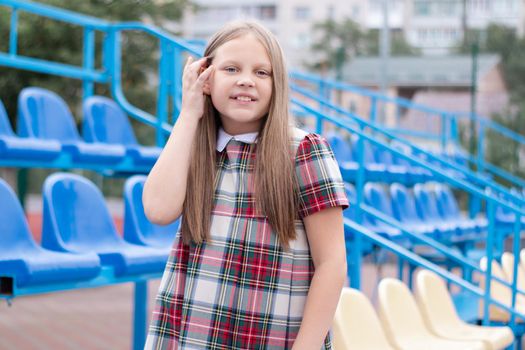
{"x": 206, "y": 88}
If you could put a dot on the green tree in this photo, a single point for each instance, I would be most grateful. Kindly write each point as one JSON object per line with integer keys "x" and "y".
{"x": 398, "y": 45}
{"x": 505, "y": 42}
{"x": 47, "y": 39}
{"x": 56, "y": 41}
{"x": 337, "y": 42}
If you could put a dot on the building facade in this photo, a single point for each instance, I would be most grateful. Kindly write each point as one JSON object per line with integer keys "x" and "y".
{"x": 437, "y": 26}
{"x": 290, "y": 20}
{"x": 434, "y": 26}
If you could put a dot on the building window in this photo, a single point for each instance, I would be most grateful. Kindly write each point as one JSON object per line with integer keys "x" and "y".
{"x": 355, "y": 11}
{"x": 302, "y": 41}
{"x": 302, "y": 12}
{"x": 422, "y": 35}
{"x": 330, "y": 12}
{"x": 422, "y": 8}
{"x": 267, "y": 12}
{"x": 448, "y": 8}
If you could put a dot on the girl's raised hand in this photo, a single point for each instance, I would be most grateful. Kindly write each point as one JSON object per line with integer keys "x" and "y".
{"x": 192, "y": 87}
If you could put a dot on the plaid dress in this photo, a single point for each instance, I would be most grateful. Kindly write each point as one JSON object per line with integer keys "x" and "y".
{"x": 239, "y": 289}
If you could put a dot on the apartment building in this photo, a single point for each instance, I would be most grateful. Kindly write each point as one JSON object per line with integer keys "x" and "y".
{"x": 290, "y": 20}
{"x": 434, "y": 26}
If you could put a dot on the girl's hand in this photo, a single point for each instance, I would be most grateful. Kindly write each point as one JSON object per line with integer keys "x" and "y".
{"x": 192, "y": 87}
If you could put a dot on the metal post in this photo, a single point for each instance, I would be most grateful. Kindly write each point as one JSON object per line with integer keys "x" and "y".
{"x": 473, "y": 88}
{"x": 140, "y": 315}
{"x": 89, "y": 61}
{"x": 13, "y": 34}
{"x": 162, "y": 101}
{"x": 385, "y": 53}
{"x": 358, "y": 239}
{"x": 489, "y": 254}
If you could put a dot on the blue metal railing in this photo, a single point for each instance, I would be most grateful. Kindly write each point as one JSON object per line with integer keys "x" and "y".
{"x": 373, "y": 127}
{"x": 170, "y": 63}
{"x": 448, "y": 136}
{"x": 472, "y": 189}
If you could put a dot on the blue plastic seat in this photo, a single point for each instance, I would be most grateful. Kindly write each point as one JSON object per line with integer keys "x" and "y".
{"x": 505, "y": 218}
{"x": 395, "y": 172}
{"x": 348, "y": 165}
{"x": 449, "y": 209}
{"x": 416, "y": 174}
{"x": 28, "y": 263}
{"x": 368, "y": 157}
{"x": 404, "y": 209}
{"x": 427, "y": 210}
{"x": 374, "y": 196}
{"x": 76, "y": 219}
{"x": 351, "y": 214}
{"x": 343, "y": 154}
{"x": 44, "y": 115}
{"x": 106, "y": 122}
{"x": 28, "y": 148}
{"x": 137, "y": 228}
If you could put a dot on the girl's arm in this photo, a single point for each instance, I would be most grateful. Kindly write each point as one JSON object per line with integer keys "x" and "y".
{"x": 165, "y": 187}
{"x": 325, "y": 233}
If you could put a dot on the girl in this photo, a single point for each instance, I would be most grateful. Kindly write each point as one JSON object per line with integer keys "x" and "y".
{"x": 259, "y": 260}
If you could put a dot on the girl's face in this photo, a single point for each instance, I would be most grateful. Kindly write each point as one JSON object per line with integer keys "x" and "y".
{"x": 241, "y": 84}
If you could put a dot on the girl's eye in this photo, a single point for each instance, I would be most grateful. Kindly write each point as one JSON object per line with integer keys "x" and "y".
{"x": 230, "y": 69}
{"x": 262, "y": 73}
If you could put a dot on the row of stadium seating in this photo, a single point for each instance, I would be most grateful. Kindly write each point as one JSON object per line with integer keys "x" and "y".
{"x": 503, "y": 269}
{"x": 427, "y": 321}
{"x": 381, "y": 165}
{"x": 429, "y": 209}
{"x": 47, "y": 131}
{"x": 79, "y": 237}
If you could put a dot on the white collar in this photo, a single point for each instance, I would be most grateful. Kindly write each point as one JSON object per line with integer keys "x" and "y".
{"x": 223, "y": 138}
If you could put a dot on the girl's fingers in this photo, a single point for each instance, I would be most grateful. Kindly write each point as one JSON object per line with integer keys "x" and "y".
{"x": 195, "y": 66}
{"x": 189, "y": 60}
{"x": 205, "y": 75}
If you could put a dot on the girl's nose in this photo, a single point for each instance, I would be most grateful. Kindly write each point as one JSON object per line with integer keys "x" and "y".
{"x": 245, "y": 81}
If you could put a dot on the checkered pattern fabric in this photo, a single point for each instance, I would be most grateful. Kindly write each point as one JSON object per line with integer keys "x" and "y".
{"x": 239, "y": 289}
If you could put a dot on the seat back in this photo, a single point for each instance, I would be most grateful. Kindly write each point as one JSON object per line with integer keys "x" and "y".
{"x": 5, "y": 126}
{"x": 44, "y": 114}
{"x": 359, "y": 323}
{"x": 498, "y": 291}
{"x": 446, "y": 202}
{"x": 399, "y": 312}
{"x": 350, "y": 212}
{"x": 426, "y": 205}
{"x": 435, "y": 302}
{"x": 137, "y": 228}
{"x": 375, "y": 196}
{"x": 398, "y": 160}
{"x": 14, "y": 231}
{"x": 403, "y": 204}
{"x": 368, "y": 156}
{"x": 340, "y": 147}
{"x": 384, "y": 156}
{"x": 75, "y": 216}
{"x": 507, "y": 263}
{"x": 104, "y": 121}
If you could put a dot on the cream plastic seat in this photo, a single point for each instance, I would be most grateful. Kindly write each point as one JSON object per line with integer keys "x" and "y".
{"x": 338, "y": 337}
{"x": 404, "y": 324}
{"x": 442, "y": 319}
{"x": 498, "y": 292}
{"x": 359, "y": 325}
{"x": 507, "y": 263}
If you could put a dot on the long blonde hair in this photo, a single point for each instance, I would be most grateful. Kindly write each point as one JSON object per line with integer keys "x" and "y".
{"x": 275, "y": 180}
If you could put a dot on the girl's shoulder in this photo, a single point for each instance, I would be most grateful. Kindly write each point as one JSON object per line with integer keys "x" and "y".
{"x": 303, "y": 140}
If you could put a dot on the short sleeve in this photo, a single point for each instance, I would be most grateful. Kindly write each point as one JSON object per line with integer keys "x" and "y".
{"x": 320, "y": 182}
